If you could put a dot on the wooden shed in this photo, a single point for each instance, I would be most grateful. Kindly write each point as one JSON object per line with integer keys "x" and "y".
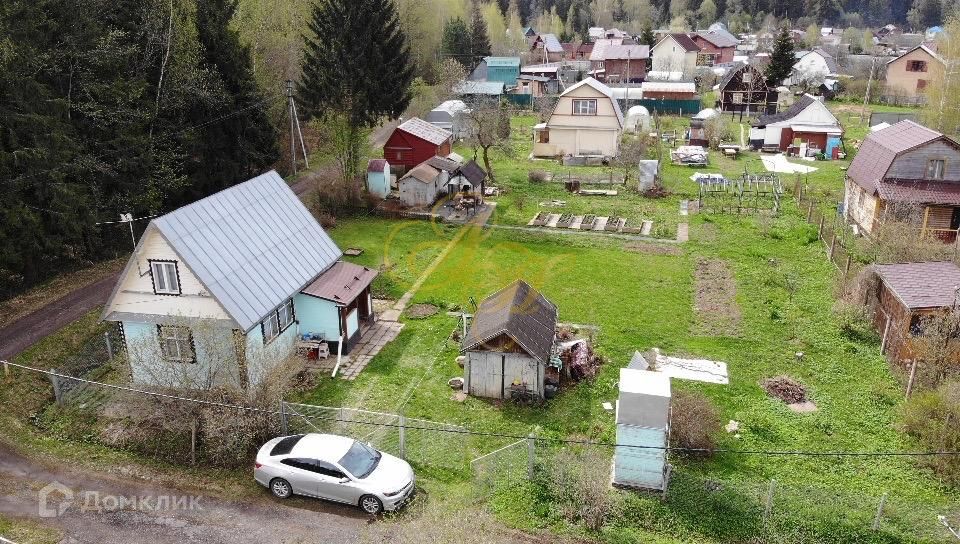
{"x": 906, "y": 294}
{"x": 510, "y": 343}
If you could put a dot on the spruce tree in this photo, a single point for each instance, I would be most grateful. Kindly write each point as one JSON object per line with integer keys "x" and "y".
{"x": 245, "y": 143}
{"x": 455, "y": 42}
{"x": 356, "y": 71}
{"x": 647, "y": 37}
{"x": 781, "y": 59}
{"x": 479, "y": 39}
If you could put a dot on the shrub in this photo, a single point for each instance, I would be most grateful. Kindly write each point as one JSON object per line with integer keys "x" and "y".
{"x": 694, "y": 422}
{"x": 579, "y": 484}
{"x": 327, "y": 221}
{"x": 537, "y": 176}
{"x": 933, "y": 419}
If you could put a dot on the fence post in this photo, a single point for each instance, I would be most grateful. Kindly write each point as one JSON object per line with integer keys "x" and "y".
{"x": 106, "y": 336}
{"x": 193, "y": 442}
{"x": 833, "y": 244}
{"x": 403, "y": 437}
{"x": 283, "y": 419}
{"x": 531, "y": 454}
{"x": 913, "y": 374}
{"x": 876, "y": 519}
{"x": 820, "y": 229}
{"x": 6, "y": 369}
{"x": 768, "y": 507}
{"x": 846, "y": 269}
{"x": 57, "y": 393}
{"x": 809, "y": 211}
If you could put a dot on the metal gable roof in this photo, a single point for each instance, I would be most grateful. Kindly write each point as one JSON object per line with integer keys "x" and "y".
{"x": 252, "y": 246}
{"x": 419, "y": 128}
{"x": 551, "y": 43}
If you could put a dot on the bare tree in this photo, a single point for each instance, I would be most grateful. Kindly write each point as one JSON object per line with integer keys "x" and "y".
{"x": 936, "y": 343}
{"x": 633, "y": 149}
{"x": 489, "y": 127}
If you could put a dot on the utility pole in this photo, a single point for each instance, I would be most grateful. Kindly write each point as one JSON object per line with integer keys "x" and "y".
{"x": 295, "y": 132}
{"x": 866, "y": 97}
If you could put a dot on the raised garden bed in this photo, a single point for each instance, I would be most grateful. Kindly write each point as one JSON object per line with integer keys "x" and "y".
{"x": 565, "y": 220}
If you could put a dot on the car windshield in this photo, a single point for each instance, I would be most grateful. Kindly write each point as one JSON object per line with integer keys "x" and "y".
{"x": 360, "y": 460}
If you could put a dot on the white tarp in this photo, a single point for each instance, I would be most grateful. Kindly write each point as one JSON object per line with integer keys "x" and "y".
{"x": 779, "y": 163}
{"x": 698, "y": 370}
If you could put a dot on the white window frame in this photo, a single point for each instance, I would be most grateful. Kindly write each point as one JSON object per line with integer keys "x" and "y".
{"x": 176, "y": 343}
{"x": 278, "y": 321}
{"x": 166, "y": 277}
{"x": 736, "y": 98}
{"x": 591, "y": 104}
{"x": 285, "y": 315}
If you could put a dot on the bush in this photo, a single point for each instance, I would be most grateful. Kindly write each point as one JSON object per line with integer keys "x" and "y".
{"x": 579, "y": 484}
{"x": 694, "y": 422}
{"x": 537, "y": 176}
{"x": 933, "y": 419}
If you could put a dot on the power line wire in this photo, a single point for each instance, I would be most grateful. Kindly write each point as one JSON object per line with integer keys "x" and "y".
{"x": 772, "y": 453}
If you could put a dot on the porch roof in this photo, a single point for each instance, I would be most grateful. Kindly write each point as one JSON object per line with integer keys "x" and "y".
{"x": 341, "y": 283}
{"x": 946, "y": 193}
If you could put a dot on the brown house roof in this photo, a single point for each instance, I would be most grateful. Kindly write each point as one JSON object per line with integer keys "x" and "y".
{"x": 376, "y": 165}
{"x": 624, "y": 52}
{"x": 341, "y": 283}
{"x": 717, "y": 39}
{"x": 520, "y": 312}
{"x": 921, "y": 285}
{"x": 880, "y": 149}
{"x": 685, "y": 41}
{"x": 425, "y": 131}
{"x": 443, "y": 163}
{"x": 735, "y": 70}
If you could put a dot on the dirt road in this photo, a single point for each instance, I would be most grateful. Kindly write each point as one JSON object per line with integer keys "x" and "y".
{"x": 214, "y": 520}
{"x": 29, "y": 329}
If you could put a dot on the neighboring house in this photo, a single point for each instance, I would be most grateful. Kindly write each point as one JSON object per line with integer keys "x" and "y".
{"x": 595, "y": 33}
{"x": 219, "y": 292}
{"x": 479, "y": 90}
{"x": 909, "y": 74}
{"x": 537, "y": 86}
{"x": 510, "y": 343}
{"x": 715, "y": 47}
{"x": 415, "y": 141}
{"x": 907, "y": 294}
{"x": 547, "y": 48}
{"x": 744, "y": 89}
{"x": 676, "y": 52}
{"x": 906, "y": 164}
{"x": 449, "y": 117}
{"x": 378, "y": 177}
{"x": 597, "y": 53}
{"x": 502, "y": 69}
{"x": 808, "y": 121}
{"x": 577, "y": 51}
{"x": 813, "y": 67}
{"x": 586, "y": 121}
{"x": 624, "y": 63}
{"x": 421, "y": 186}
{"x": 669, "y": 90}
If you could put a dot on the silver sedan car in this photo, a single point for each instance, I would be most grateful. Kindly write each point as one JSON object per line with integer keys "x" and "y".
{"x": 335, "y": 468}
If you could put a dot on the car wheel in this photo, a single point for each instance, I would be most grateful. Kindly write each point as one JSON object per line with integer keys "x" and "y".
{"x": 280, "y": 488}
{"x": 371, "y": 504}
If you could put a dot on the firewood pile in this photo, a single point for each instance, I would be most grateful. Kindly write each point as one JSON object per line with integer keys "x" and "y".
{"x": 580, "y": 360}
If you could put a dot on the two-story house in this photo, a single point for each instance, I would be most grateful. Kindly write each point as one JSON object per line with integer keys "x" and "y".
{"x": 625, "y": 63}
{"x": 906, "y": 164}
{"x": 415, "y": 141}
{"x": 909, "y": 74}
{"x": 587, "y": 121}
{"x": 716, "y": 47}
{"x": 221, "y": 291}
{"x": 744, "y": 89}
{"x": 675, "y": 53}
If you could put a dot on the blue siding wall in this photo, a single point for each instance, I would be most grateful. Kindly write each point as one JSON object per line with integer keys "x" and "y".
{"x": 262, "y": 358}
{"x": 507, "y": 74}
{"x": 317, "y": 316}
{"x": 378, "y": 183}
{"x": 216, "y": 362}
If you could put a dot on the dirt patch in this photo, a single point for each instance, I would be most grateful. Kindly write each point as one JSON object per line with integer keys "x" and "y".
{"x": 786, "y": 389}
{"x": 715, "y": 299}
{"x": 652, "y": 249}
{"x": 420, "y": 311}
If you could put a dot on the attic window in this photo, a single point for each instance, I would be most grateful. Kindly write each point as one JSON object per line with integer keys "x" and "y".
{"x": 585, "y": 107}
{"x": 747, "y": 77}
{"x": 166, "y": 280}
{"x": 935, "y": 168}
{"x": 917, "y": 66}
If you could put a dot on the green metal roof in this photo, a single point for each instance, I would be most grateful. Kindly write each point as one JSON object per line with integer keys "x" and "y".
{"x": 503, "y": 61}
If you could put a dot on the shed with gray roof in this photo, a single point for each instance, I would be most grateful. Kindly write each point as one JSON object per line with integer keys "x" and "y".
{"x": 510, "y": 342}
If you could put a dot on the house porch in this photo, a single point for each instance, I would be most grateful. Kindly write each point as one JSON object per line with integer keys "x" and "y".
{"x": 373, "y": 336}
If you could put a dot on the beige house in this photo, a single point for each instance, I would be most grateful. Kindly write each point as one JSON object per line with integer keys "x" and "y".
{"x": 586, "y": 121}
{"x": 675, "y": 53}
{"x": 909, "y": 74}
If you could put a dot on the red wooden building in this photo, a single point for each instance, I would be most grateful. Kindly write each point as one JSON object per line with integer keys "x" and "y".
{"x": 715, "y": 47}
{"x": 415, "y": 141}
